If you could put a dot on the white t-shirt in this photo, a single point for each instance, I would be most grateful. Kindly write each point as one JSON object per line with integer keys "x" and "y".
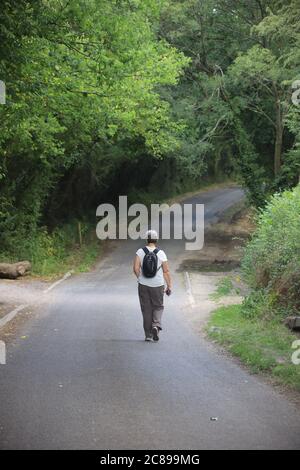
{"x": 158, "y": 279}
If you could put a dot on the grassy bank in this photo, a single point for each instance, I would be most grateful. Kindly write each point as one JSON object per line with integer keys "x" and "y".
{"x": 263, "y": 345}
{"x": 75, "y": 258}
{"x": 72, "y": 246}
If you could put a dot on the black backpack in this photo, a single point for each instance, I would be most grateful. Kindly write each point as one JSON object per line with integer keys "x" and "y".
{"x": 150, "y": 261}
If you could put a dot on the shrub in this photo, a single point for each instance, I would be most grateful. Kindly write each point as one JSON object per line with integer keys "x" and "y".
{"x": 271, "y": 262}
{"x": 53, "y": 253}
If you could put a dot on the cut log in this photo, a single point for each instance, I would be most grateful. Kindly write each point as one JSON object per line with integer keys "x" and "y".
{"x": 292, "y": 322}
{"x": 12, "y": 271}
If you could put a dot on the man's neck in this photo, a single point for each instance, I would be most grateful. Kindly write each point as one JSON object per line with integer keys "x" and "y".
{"x": 151, "y": 245}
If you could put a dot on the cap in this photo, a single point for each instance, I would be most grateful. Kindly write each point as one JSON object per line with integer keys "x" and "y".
{"x": 151, "y": 235}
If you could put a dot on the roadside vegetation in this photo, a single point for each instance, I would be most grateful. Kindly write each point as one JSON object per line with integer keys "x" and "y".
{"x": 224, "y": 287}
{"x": 255, "y": 331}
{"x": 265, "y": 346}
{"x": 271, "y": 263}
{"x": 72, "y": 247}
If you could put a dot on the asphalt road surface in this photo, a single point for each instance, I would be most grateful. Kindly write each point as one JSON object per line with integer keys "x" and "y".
{"x": 83, "y": 378}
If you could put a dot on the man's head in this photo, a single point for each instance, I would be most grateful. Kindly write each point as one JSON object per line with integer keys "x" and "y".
{"x": 151, "y": 236}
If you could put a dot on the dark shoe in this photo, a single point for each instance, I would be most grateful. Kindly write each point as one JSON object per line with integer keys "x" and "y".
{"x": 155, "y": 333}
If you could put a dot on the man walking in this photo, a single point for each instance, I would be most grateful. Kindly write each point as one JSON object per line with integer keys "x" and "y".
{"x": 152, "y": 271}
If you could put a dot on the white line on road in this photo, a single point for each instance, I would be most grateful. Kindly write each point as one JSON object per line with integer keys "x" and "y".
{"x": 18, "y": 309}
{"x": 189, "y": 289}
{"x": 12, "y": 314}
{"x": 68, "y": 274}
{"x": 2, "y": 353}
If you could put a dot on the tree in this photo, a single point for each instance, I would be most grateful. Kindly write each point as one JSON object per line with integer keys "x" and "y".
{"x": 281, "y": 27}
{"x": 81, "y": 78}
{"x": 244, "y": 57}
{"x": 262, "y": 91}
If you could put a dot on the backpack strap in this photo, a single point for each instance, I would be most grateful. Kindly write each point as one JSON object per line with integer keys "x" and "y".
{"x": 155, "y": 251}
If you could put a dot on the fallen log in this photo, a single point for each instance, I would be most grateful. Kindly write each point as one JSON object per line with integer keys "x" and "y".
{"x": 292, "y": 322}
{"x": 12, "y": 271}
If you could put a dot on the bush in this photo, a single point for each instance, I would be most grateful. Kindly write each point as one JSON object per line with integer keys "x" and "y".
{"x": 271, "y": 263}
{"x": 55, "y": 253}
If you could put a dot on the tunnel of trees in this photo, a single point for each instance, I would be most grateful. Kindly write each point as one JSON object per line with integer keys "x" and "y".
{"x": 145, "y": 98}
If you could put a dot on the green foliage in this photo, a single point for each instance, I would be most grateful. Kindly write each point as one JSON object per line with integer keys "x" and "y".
{"x": 272, "y": 258}
{"x": 264, "y": 346}
{"x": 81, "y": 77}
{"x": 142, "y": 96}
{"x": 258, "y": 304}
{"x": 224, "y": 287}
{"x": 290, "y": 170}
{"x": 235, "y": 94}
{"x": 52, "y": 254}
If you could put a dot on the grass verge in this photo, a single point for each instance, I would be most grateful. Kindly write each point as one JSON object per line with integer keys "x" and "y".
{"x": 76, "y": 259}
{"x": 264, "y": 346}
{"x": 53, "y": 254}
{"x": 224, "y": 287}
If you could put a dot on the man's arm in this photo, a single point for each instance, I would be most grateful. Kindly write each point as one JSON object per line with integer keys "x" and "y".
{"x": 137, "y": 265}
{"x": 167, "y": 274}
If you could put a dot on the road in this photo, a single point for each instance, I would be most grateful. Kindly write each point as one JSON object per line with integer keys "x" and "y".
{"x": 85, "y": 379}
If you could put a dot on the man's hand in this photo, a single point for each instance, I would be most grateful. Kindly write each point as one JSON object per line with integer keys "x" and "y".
{"x": 168, "y": 291}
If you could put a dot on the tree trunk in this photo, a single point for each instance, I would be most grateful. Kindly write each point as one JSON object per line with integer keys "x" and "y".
{"x": 278, "y": 133}
{"x": 278, "y": 147}
{"x": 12, "y": 271}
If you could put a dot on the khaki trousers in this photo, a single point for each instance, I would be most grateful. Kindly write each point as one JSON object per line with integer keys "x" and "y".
{"x": 152, "y": 306}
